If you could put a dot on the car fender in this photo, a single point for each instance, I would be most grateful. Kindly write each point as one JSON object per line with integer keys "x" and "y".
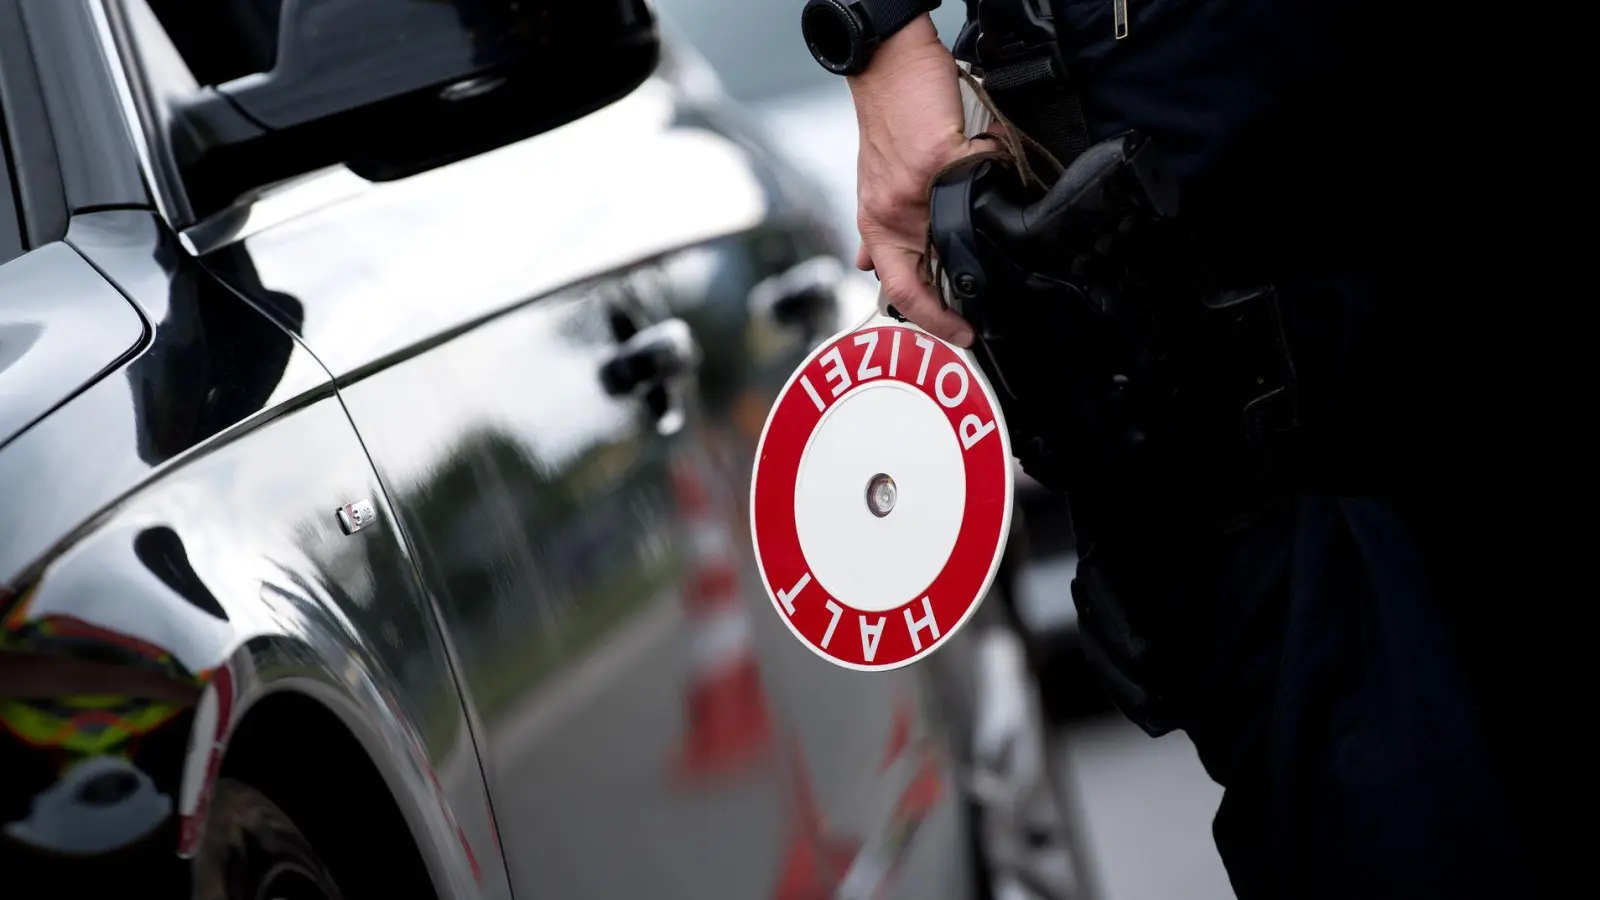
{"x": 178, "y": 679}
{"x": 136, "y": 641}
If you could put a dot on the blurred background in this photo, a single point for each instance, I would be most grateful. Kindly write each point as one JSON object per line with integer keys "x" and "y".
{"x": 1148, "y": 803}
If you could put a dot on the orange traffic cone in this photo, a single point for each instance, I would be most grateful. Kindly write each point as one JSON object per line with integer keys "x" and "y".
{"x": 899, "y": 733}
{"x": 927, "y": 786}
{"x": 809, "y": 876}
{"x": 807, "y": 873}
{"x": 726, "y": 710}
{"x": 924, "y": 791}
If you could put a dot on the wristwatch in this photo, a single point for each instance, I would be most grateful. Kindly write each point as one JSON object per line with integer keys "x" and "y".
{"x": 843, "y": 34}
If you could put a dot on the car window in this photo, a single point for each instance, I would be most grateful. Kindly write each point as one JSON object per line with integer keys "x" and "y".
{"x": 221, "y": 40}
{"x": 755, "y": 45}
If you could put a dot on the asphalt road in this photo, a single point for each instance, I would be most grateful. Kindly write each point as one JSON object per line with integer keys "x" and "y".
{"x": 1149, "y": 807}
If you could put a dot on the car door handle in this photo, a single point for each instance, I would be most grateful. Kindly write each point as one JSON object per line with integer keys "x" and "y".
{"x": 657, "y": 354}
{"x": 803, "y": 296}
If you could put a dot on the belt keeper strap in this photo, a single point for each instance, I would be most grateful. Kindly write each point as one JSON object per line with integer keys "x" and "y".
{"x": 1039, "y": 100}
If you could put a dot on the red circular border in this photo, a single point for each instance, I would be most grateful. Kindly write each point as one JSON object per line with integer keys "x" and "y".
{"x": 959, "y": 587}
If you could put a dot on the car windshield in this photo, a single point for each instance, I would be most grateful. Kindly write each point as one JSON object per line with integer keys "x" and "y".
{"x": 755, "y": 45}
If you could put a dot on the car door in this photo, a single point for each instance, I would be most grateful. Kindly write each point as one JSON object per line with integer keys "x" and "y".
{"x": 499, "y": 338}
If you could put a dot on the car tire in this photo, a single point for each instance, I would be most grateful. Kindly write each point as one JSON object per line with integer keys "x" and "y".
{"x": 251, "y": 850}
{"x": 982, "y": 872}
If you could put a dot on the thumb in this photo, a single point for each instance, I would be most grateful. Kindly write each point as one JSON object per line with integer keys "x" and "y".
{"x": 915, "y": 300}
{"x": 863, "y": 258}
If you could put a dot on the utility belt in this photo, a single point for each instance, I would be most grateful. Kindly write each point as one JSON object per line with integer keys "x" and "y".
{"x": 1161, "y": 402}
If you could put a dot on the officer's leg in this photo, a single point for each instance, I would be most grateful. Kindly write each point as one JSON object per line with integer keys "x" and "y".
{"x": 1330, "y": 706}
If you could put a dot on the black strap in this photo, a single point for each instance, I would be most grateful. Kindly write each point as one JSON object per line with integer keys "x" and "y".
{"x": 1014, "y": 45}
{"x": 1045, "y": 108}
{"x": 889, "y": 16}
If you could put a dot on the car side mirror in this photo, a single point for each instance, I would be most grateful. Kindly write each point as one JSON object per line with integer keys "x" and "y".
{"x": 394, "y": 87}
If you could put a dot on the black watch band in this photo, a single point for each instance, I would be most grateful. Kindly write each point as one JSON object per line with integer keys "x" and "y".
{"x": 843, "y": 34}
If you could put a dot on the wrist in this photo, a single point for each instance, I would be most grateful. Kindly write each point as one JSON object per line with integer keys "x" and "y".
{"x": 915, "y": 46}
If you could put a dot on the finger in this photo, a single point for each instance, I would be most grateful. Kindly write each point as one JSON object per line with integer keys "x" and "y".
{"x": 863, "y": 258}
{"x": 897, "y": 272}
{"x": 992, "y": 139}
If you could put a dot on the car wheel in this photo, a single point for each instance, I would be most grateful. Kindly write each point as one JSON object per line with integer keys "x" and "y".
{"x": 252, "y": 851}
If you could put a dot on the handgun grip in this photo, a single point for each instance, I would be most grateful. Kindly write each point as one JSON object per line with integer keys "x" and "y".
{"x": 1128, "y": 161}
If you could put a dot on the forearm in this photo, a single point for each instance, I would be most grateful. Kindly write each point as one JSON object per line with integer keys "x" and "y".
{"x": 909, "y": 111}
{"x": 914, "y": 46}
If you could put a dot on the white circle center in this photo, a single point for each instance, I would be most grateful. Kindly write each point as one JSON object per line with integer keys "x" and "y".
{"x": 868, "y": 562}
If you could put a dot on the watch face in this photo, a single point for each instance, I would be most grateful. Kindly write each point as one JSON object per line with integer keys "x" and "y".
{"x": 832, "y": 34}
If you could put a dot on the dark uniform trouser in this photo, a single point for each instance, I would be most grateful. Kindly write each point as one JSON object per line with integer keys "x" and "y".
{"x": 1313, "y": 658}
{"x": 1325, "y": 690}
{"x": 1324, "y": 684}
{"x": 1329, "y": 702}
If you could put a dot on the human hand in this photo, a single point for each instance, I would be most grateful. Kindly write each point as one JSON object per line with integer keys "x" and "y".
{"x": 908, "y": 109}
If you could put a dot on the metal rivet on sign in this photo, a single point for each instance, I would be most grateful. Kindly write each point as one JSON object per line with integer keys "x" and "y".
{"x": 881, "y": 495}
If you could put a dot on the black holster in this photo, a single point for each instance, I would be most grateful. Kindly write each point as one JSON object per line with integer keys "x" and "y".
{"x": 1155, "y": 398}
{"x": 1149, "y": 511}
{"x": 1151, "y": 398}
